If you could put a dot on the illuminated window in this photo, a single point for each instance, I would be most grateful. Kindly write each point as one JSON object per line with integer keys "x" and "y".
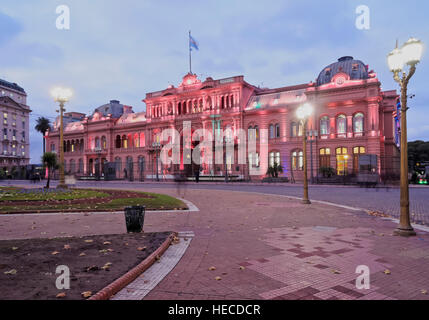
{"x": 324, "y": 125}
{"x": 358, "y": 123}
{"x": 104, "y": 143}
{"x": 142, "y": 140}
{"x": 357, "y": 152}
{"x": 342, "y": 161}
{"x": 298, "y": 160}
{"x": 254, "y": 160}
{"x": 274, "y": 157}
{"x": 325, "y": 158}
{"x": 341, "y": 124}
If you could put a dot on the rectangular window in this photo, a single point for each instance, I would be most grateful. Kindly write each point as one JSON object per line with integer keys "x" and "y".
{"x": 4, "y": 117}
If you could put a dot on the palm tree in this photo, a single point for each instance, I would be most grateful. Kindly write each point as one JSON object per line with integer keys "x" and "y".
{"x": 49, "y": 160}
{"x": 43, "y": 124}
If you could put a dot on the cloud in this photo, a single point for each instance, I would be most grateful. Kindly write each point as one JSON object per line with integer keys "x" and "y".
{"x": 9, "y": 27}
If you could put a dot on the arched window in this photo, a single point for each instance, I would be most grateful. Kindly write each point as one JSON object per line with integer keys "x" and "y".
{"x": 277, "y": 130}
{"x": 274, "y": 158}
{"x": 297, "y": 160}
{"x": 80, "y": 169}
{"x": 342, "y": 161}
{"x": 118, "y": 142}
{"x": 124, "y": 142}
{"x": 209, "y": 105}
{"x": 179, "y": 108}
{"x": 97, "y": 143}
{"x": 81, "y": 144}
{"x": 232, "y": 101}
{"x": 357, "y": 152}
{"x": 118, "y": 167}
{"x": 358, "y": 123}
{"x": 325, "y": 158}
{"x": 341, "y": 124}
{"x": 142, "y": 140}
{"x": 103, "y": 142}
{"x": 136, "y": 140}
{"x": 324, "y": 126}
{"x": 72, "y": 166}
{"x": 222, "y": 103}
{"x": 296, "y": 129}
{"x": 272, "y": 131}
{"x": 293, "y": 129}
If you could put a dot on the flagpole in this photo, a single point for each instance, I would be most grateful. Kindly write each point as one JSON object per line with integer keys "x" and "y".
{"x": 190, "y": 53}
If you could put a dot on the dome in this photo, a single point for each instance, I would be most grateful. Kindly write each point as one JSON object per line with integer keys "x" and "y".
{"x": 356, "y": 69}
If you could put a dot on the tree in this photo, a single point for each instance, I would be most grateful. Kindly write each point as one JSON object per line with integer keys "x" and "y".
{"x": 418, "y": 151}
{"x": 274, "y": 171}
{"x": 49, "y": 160}
{"x": 43, "y": 124}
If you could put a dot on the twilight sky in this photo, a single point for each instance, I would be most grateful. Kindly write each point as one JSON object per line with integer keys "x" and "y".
{"x": 123, "y": 49}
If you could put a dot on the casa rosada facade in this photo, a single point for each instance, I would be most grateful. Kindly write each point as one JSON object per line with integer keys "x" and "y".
{"x": 352, "y": 117}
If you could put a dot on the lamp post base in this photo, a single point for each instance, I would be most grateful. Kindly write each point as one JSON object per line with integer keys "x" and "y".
{"x": 306, "y": 201}
{"x": 409, "y": 232}
{"x": 62, "y": 186}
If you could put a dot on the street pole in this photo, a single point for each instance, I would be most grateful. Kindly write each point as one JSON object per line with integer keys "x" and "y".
{"x": 404, "y": 228}
{"x": 409, "y": 55}
{"x": 305, "y": 200}
{"x": 62, "y": 183}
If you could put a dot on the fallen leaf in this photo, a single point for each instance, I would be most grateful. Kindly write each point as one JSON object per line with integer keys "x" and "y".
{"x": 67, "y": 247}
{"x": 218, "y": 278}
{"x": 55, "y": 253}
{"x": 61, "y": 295}
{"x": 15, "y": 248}
{"x": 336, "y": 272}
{"x": 11, "y": 272}
{"x": 89, "y": 241}
{"x": 106, "y": 243}
{"x": 86, "y": 294}
{"x": 82, "y": 254}
{"x": 141, "y": 248}
{"x": 424, "y": 291}
{"x": 212, "y": 268}
{"x": 242, "y": 268}
{"x": 387, "y": 271}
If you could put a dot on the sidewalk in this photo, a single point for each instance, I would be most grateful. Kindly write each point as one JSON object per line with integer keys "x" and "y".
{"x": 265, "y": 247}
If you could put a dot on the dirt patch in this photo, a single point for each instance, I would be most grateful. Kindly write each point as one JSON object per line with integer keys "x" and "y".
{"x": 28, "y": 267}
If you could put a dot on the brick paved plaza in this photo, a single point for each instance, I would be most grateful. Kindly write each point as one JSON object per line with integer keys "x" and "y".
{"x": 264, "y": 247}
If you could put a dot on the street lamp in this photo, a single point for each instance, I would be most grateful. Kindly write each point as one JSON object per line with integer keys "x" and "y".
{"x": 61, "y": 95}
{"x": 157, "y": 147}
{"x": 303, "y": 113}
{"x": 409, "y": 54}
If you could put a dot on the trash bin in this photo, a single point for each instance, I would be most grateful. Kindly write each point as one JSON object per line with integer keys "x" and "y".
{"x": 134, "y": 218}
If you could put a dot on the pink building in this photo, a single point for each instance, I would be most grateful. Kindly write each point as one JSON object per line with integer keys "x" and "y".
{"x": 352, "y": 117}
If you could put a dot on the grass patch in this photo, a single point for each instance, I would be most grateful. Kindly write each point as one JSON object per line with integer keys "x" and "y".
{"x": 29, "y": 195}
{"x": 82, "y": 200}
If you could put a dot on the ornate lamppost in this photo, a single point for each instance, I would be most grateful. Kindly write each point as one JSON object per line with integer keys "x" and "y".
{"x": 303, "y": 113}
{"x": 61, "y": 95}
{"x": 409, "y": 54}
{"x": 157, "y": 147}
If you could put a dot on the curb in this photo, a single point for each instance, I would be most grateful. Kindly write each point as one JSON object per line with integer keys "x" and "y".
{"x": 116, "y": 286}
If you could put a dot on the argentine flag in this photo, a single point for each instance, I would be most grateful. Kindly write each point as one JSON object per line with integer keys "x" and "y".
{"x": 193, "y": 43}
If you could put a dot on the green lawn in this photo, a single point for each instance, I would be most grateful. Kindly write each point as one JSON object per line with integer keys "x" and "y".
{"x": 14, "y": 194}
{"x": 60, "y": 201}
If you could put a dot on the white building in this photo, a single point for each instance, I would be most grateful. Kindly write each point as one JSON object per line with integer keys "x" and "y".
{"x": 14, "y": 129}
